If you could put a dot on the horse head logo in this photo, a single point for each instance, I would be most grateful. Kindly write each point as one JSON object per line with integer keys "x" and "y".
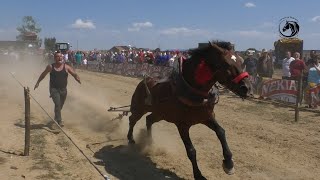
{"x": 289, "y": 27}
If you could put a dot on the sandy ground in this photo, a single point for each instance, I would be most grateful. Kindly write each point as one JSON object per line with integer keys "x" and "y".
{"x": 265, "y": 141}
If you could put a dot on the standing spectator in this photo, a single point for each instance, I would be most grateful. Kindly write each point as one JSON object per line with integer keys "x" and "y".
{"x": 150, "y": 57}
{"x": 286, "y": 66}
{"x": 71, "y": 57}
{"x": 78, "y": 58}
{"x": 250, "y": 65}
{"x": 141, "y": 56}
{"x": 98, "y": 56}
{"x": 296, "y": 67}
{"x": 313, "y": 78}
{"x": 265, "y": 64}
{"x": 173, "y": 58}
{"x": 85, "y": 62}
{"x": 66, "y": 58}
{"x": 312, "y": 56}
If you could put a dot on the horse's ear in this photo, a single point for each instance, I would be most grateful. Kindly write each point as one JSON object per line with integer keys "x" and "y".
{"x": 210, "y": 43}
{"x": 219, "y": 49}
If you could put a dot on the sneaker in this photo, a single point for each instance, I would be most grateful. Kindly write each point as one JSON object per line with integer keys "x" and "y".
{"x": 61, "y": 124}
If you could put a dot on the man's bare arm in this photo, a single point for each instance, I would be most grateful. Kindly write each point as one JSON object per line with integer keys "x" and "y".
{"x": 73, "y": 73}
{"x": 43, "y": 75}
{"x": 317, "y": 68}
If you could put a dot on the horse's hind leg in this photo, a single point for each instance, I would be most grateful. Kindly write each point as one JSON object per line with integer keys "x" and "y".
{"x": 191, "y": 152}
{"x": 150, "y": 119}
{"x": 132, "y": 122}
{"x": 227, "y": 162}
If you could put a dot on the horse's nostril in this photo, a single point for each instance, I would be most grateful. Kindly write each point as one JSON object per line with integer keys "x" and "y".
{"x": 244, "y": 89}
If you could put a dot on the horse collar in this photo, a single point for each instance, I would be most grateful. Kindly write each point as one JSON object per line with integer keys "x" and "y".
{"x": 194, "y": 90}
{"x": 203, "y": 73}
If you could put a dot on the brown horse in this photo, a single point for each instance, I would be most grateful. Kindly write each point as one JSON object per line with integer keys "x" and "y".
{"x": 181, "y": 99}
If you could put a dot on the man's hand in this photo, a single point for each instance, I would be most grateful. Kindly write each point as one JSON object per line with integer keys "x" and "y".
{"x": 36, "y": 86}
{"x": 77, "y": 78}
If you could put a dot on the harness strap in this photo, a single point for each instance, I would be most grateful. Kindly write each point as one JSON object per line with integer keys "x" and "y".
{"x": 196, "y": 91}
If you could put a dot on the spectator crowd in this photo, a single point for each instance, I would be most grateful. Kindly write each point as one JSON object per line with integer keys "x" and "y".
{"x": 257, "y": 65}
{"x": 160, "y": 58}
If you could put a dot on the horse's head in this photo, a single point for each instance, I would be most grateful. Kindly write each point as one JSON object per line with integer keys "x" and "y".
{"x": 286, "y": 26}
{"x": 226, "y": 70}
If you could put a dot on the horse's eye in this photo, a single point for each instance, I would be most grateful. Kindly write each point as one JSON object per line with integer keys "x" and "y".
{"x": 229, "y": 72}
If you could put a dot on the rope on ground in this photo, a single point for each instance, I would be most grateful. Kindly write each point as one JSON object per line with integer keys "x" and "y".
{"x": 104, "y": 176}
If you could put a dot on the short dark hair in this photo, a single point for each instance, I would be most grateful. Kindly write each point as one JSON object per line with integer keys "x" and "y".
{"x": 314, "y": 59}
{"x": 57, "y": 52}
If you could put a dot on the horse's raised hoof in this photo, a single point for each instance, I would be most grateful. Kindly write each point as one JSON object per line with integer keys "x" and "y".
{"x": 228, "y": 167}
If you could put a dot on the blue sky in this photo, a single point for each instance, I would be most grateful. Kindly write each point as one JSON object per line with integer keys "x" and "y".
{"x": 168, "y": 24}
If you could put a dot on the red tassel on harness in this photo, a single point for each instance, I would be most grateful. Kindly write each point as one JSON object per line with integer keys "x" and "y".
{"x": 203, "y": 73}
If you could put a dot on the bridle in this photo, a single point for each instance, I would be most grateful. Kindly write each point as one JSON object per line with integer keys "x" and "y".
{"x": 240, "y": 77}
{"x": 218, "y": 68}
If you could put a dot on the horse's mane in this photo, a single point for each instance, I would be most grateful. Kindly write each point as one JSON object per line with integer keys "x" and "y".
{"x": 200, "y": 50}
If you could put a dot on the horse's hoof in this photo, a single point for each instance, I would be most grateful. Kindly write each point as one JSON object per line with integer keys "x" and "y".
{"x": 228, "y": 167}
{"x": 229, "y": 171}
{"x": 200, "y": 178}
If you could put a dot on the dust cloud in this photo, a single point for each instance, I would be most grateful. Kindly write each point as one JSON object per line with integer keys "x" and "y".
{"x": 85, "y": 110}
{"x": 85, "y": 105}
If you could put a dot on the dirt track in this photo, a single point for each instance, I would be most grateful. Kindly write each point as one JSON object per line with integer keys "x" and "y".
{"x": 265, "y": 141}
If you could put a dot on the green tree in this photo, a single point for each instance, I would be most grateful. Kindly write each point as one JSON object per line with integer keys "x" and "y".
{"x": 49, "y": 44}
{"x": 29, "y": 31}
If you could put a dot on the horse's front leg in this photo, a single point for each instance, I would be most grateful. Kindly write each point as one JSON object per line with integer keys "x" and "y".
{"x": 132, "y": 122}
{"x": 227, "y": 162}
{"x": 191, "y": 152}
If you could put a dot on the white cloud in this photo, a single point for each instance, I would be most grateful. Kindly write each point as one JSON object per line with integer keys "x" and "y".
{"x": 316, "y": 19}
{"x": 249, "y": 5}
{"x": 183, "y": 31}
{"x": 83, "y": 24}
{"x": 139, "y": 26}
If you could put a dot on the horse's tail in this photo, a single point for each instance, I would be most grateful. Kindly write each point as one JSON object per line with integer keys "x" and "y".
{"x": 138, "y": 98}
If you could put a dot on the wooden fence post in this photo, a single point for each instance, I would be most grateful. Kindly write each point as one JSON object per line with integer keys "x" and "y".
{"x": 299, "y": 91}
{"x": 27, "y": 121}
